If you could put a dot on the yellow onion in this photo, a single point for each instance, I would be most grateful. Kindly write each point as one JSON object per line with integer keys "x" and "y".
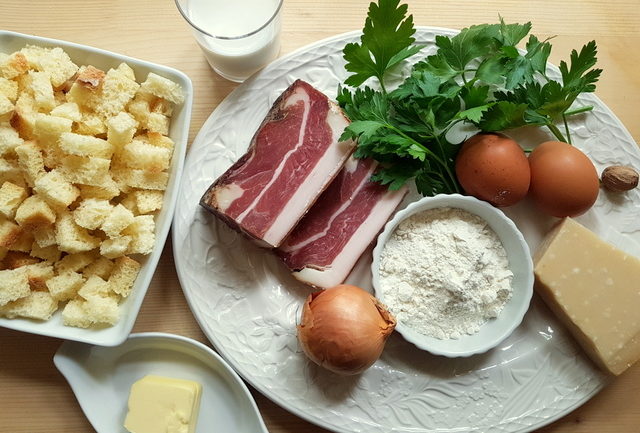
{"x": 344, "y": 329}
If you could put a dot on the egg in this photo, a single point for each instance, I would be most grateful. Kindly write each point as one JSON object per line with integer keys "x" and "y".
{"x": 493, "y": 168}
{"x": 564, "y": 181}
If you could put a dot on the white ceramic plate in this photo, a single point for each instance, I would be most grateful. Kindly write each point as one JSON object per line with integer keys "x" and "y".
{"x": 179, "y": 133}
{"x": 101, "y": 378}
{"x": 246, "y": 302}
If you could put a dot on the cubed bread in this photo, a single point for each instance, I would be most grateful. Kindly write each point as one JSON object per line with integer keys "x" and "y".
{"x": 142, "y": 179}
{"x": 24, "y": 118}
{"x": 31, "y": 161}
{"x": 116, "y": 92}
{"x": 6, "y": 108}
{"x": 36, "y": 305}
{"x": 42, "y": 90}
{"x": 11, "y": 196}
{"x": 50, "y": 253}
{"x": 82, "y": 96}
{"x": 102, "y": 267}
{"x": 94, "y": 286}
{"x": 72, "y": 238}
{"x": 118, "y": 220}
{"x": 141, "y": 155}
{"x": 158, "y": 139}
{"x": 13, "y": 65}
{"x": 18, "y": 259}
{"x": 55, "y": 62}
{"x": 3, "y": 254}
{"x": 115, "y": 247}
{"x": 23, "y": 242}
{"x": 75, "y": 262}
{"x": 10, "y": 170}
{"x": 124, "y": 275}
{"x": 9, "y": 88}
{"x": 96, "y": 311}
{"x": 49, "y": 128}
{"x": 121, "y": 128}
{"x": 148, "y": 201}
{"x": 67, "y": 110}
{"x": 90, "y": 124}
{"x": 65, "y": 285}
{"x": 126, "y": 71}
{"x": 38, "y": 274}
{"x": 9, "y": 139}
{"x": 9, "y": 232}
{"x": 107, "y": 190}
{"x": 163, "y": 88}
{"x": 56, "y": 189}
{"x": 85, "y": 145}
{"x": 14, "y": 284}
{"x": 34, "y": 213}
{"x": 91, "y": 213}
{"x": 75, "y": 314}
{"x": 85, "y": 170}
{"x": 90, "y": 77}
{"x": 142, "y": 232}
{"x": 45, "y": 236}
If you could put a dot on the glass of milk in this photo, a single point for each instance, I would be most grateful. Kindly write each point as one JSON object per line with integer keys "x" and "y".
{"x": 238, "y": 37}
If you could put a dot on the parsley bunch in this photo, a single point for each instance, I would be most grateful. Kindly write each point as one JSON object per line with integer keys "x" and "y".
{"x": 477, "y": 77}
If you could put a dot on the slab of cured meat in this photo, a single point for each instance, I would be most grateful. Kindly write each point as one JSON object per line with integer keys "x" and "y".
{"x": 291, "y": 159}
{"x": 326, "y": 244}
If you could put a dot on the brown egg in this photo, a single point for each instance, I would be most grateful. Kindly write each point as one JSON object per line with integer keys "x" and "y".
{"x": 494, "y": 168}
{"x": 564, "y": 182}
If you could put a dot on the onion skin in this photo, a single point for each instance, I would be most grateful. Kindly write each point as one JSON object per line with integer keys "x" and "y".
{"x": 344, "y": 329}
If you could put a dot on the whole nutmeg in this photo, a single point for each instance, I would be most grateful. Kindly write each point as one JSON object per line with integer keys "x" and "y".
{"x": 619, "y": 178}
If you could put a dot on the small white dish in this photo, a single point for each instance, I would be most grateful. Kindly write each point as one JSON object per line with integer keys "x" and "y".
{"x": 101, "y": 378}
{"x": 178, "y": 132}
{"x": 494, "y": 331}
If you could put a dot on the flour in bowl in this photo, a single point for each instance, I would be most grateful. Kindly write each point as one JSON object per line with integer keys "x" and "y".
{"x": 444, "y": 273}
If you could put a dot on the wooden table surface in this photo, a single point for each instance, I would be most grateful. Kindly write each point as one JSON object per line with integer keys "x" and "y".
{"x": 33, "y": 395}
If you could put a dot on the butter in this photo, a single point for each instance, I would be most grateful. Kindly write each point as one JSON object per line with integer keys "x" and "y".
{"x": 162, "y": 404}
{"x": 594, "y": 288}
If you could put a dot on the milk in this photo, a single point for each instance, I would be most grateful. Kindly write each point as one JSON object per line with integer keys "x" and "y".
{"x": 235, "y": 49}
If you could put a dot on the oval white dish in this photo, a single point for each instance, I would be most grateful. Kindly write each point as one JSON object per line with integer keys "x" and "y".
{"x": 245, "y": 300}
{"x": 101, "y": 378}
{"x": 178, "y": 132}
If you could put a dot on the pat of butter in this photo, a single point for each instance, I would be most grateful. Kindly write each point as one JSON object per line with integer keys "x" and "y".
{"x": 593, "y": 288}
{"x": 162, "y": 404}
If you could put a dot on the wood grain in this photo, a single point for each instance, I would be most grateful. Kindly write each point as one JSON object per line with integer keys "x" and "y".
{"x": 35, "y": 398}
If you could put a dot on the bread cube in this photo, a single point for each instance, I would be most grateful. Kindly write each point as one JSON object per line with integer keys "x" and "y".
{"x": 67, "y": 110}
{"x": 23, "y": 242}
{"x": 55, "y": 62}
{"x": 126, "y": 71}
{"x": 91, "y": 213}
{"x": 72, "y": 238}
{"x": 49, "y": 128}
{"x": 138, "y": 154}
{"x": 162, "y": 88}
{"x": 11, "y": 196}
{"x": 38, "y": 274}
{"x": 85, "y": 145}
{"x": 117, "y": 90}
{"x": 9, "y": 139}
{"x": 141, "y": 179}
{"x": 90, "y": 124}
{"x": 120, "y": 129}
{"x": 9, "y": 232}
{"x": 13, "y": 65}
{"x": 159, "y": 140}
{"x": 118, "y": 220}
{"x": 25, "y": 115}
{"x": 36, "y": 305}
{"x": 75, "y": 314}
{"x": 124, "y": 275}
{"x": 40, "y": 87}
{"x": 148, "y": 201}
{"x": 49, "y": 253}
{"x": 75, "y": 262}
{"x": 142, "y": 232}
{"x": 85, "y": 170}
{"x": 98, "y": 310}
{"x": 115, "y": 247}
{"x": 9, "y": 88}
{"x": 94, "y": 286}
{"x": 45, "y": 236}
{"x": 10, "y": 172}
{"x": 82, "y": 96}
{"x": 6, "y": 108}
{"x": 65, "y": 286}
{"x": 90, "y": 77}
{"x": 107, "y": 190}
{"x": 3, "y": 254}
{"x": 56, "y": 189}
{"x": 31, "y": 161}
{"x": 14, "y": 284}
{"x": 18, "y": 259}
{"x": 102, "y": 267}
{"x": 34, "y": 213}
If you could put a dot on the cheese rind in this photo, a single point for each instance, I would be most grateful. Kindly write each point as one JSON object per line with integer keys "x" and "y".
{"x": 163, "y": 404}
{"x": 594, "y": 288}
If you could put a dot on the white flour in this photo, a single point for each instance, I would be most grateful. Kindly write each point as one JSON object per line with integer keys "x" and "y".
{"x": 444, "y": 272}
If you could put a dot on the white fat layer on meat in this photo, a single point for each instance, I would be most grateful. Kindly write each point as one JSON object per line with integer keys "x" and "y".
{"x": 227, "y": 194}
{"x": 353, "y": 249}
{"x": 323, "y": 172}
{"x": 350, "y": 166}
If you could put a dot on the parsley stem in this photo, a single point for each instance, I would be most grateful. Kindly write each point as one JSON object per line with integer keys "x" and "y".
{"x": 579, "y": 110}
{"x": 556, "y": 132}
{"x": 566, "y": 128}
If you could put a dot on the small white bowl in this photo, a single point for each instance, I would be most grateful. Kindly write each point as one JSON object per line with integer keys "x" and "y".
{"x": 495, "y": 330}
{"x": 178, "y": 132}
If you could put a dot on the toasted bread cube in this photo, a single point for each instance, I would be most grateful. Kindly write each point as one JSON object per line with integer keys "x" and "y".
{"x": 119, "y": 219}
{"x": 14, "y": 284}
{"x": 85, "y": 145}
{"x": 65, "y": 286}
{"x": 75, "y": 262}
{"x": 31, "y": 161}
{"x": 45, "y": 236}
{"x": 9, "y": 139}
{"x": 55, "y": 189}
{"x": 101, "y": 267}
{"x": 162, "y": 88}
{"x": 94, "y": 286}
{"x": 67, "y": 110}
{"x": 160, "y": 140}
{"x": 38, "y": 274}
{"x": 24, "y": 118}
{"x": 120, "y": 129}
{"x": 138, "y": 154}
{"x": 13, "y": 65}
{"x": 49, "y": 128}
{"x": 9, "y": 232}
{"x": 18, "y": 259}
{"x": 75, "y": 314}
{"x": 82, "y": 96}
{"x": 10, "y": 172}
{"x": 96, "y": 311}
{"x": 91, "y": 213}
{"x": 24, "y": 242}
{"x": 50, "y": 253}
{"x": 85, "y": 170}
{"x": 117, "y": 90}
{"x": 34, "y": 213}
{"x": 9, "y": 88}
{"x": 3, "y": 254}
{"x": 148, "y": 201}
{"x": 40, "y": 86}
{"x": 72, "y": 238}
{"x": 124, "y": 275}
{"x": 36, "y": 305}
{"x": 156, "y": 122}
{"x": 55, "y": 62}
{"x": 6, "y": 108}
{"x": 11, "y": 196}
{"x": 116, "y": 247}
{"x": 126, "y": 71}
{"x": 90, "y": 124}
{"x": 142, "y": 179}
{"x": 142, "y": 232}
{"x": 107, "y": 190}
{"x": 90, "y": 77}
{"x": 128, "y": 200}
